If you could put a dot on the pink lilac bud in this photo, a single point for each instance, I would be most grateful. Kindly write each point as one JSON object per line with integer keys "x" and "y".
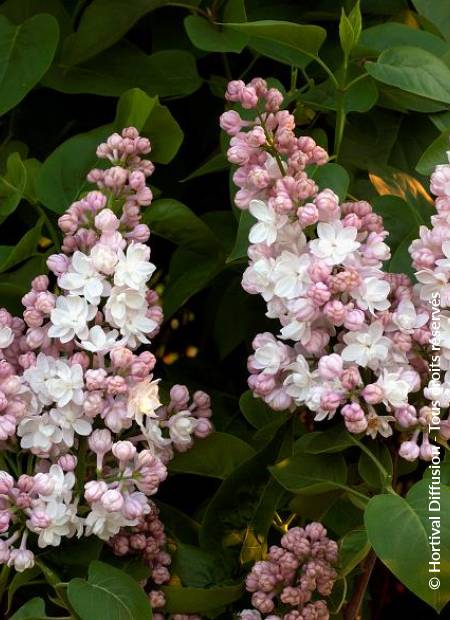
{"x": 94, "y": 490}
{"x": 231, "y": 122}
{"x": 330, "y": 367}
{"x": 124, "y": 450}
{"x": 6, "y": 482}
{"x": 373, "y": 394}
{"x": 68, "y": 462}
{"x": 112, "y": 500}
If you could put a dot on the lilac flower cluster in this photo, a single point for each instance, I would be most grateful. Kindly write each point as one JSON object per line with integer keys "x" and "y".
{"x": 74, "y": 393}
{"x": 359, "y": 335}
{"x": 286, "y": 585}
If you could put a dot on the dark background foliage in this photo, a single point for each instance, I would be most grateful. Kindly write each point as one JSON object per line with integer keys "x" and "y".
{"x": 377, "y": 129}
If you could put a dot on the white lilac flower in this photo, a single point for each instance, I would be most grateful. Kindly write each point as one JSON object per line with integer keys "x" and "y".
{"x": 379, "y": 424}
{"x": 432, "y": 282}
{"x": 143, "y": 400}
{"x": 70, "y": 317}
{"x": 82, "y": 278}
{"x": 444, "y": 263}
{"x": 70, "y": 419}
{"x": 395, "y": 389}
{"x": 181, "y": 427}
{"x": 63, "y": 522}
{"x": 269, "y": 357}
{"x": 258, "y": 278}
{"x": 335, "y": 242}
{"x": 134, "y": 268}
{"x": 58, "y": 484}
{"x": 6, "y": 337}
{"x": 368, "y": 347}
{"x": 38, "y": 375}
{"x": 39, "y": 433}
{"x": 104, "y": 258}
{"x": 406, "y": 319}
{"x": 100, "y": 340}
{"x": 66, "y": 384}
{"x": 158, "y": 445}
{"x": 372, "y": 294}
{"x": 265, "y": 231}
{"x": 298, "y": 383}
{"x": 126, "y": 309}
{"x": 105, "y": 524}
{"x": 290, "y": 274}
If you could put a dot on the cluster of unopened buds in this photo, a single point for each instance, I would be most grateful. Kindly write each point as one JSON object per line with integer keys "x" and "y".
{"x": 353, "y": 339}
{"x": 75, "y": 396}
{"x": 285, "y": 586}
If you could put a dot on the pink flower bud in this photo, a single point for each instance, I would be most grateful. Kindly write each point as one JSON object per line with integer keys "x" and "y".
{"x": 106, "y": 221}
{"x": 373, "y": 394}
{"x": 123, "y": 450}
{"x": 94, "y": 489}
{"x": 112, "y": 500}
{"x": 58, "y": 263}
{"x": 67, "y": 462}
{"x": 203, "y": 428}
{"x": 409, "y": 450}
{"x": 6, "y": 482}
{"x": 231, "y": 122}
{"x": 100, "y": 441}
{"x": 121, "y": 357}
{"x": 330, "y": 367}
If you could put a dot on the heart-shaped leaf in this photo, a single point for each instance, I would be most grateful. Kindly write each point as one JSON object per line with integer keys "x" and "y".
{"x": 398, "y": 529}
{"x": 26, "y": 52}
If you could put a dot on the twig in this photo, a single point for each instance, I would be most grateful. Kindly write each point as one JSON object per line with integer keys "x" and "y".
{"x": 353, "y": 607}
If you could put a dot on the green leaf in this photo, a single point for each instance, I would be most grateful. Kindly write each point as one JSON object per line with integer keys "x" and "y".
{"x": 103, "y": 23}
{"x": 168, "y": 73}
{"x": 413, "y": 70}
{"x": 164, "y": 133}
{"x": 239, "y": 251}
{"x": 350, "y": 29}
{"x": 398, "y": 218}
{"x": 26, "y": 52}
{"x": 392, "y": 34}
{"x": 175, "y": 222}
{"x": 212, "y": 38}
{"x": 360, "y": 97}
{"x": 153, "y": 120}
{"x": 216, "y": 456}
{"x": 367, "y": 469}
{"x": 63, "y": 174}
{"x": 255, "y": 410}
{"x": 398, "y": 530}
{"x": 233, "y": 510}
{"x": 108, "y": 592}
{"x": 12, "y": 185}
{"x": 435, "y": 154}
{"x": 196, "y": 567}
{"x": 189, "y": 274}
{"x": 180, "y": 526}
{"x": 133, "y": 109}
{"x": 22, "y": 579}
{"x": 25, "y": 248}
{"x": 216, "y": 163}
{"x": 437, "y": 13}
{"x": 332, "y": 176}
{"x": 310, "y": 474}
{"x": 335, "y": 439}
{"x": 287, "y": 42}
{"x": 199, "y": 600}
{"x": 353, "y": 548}
{"x": 17, "y": 11}
{"x": 34, "y": 609}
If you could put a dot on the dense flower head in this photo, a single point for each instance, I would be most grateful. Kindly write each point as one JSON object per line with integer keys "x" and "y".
{"x": 352, "y": 338}
{"x": 75, "y": 393}
{"x": 287, "y": 584}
